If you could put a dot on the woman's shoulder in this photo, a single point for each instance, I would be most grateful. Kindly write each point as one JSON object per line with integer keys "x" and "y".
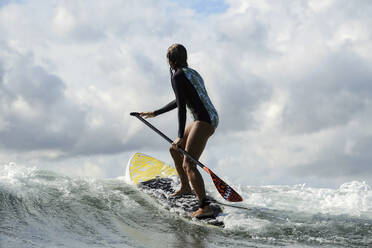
{"x": 179, "y": 77}
{"x": 185, "y": 73}
{"x": 191, "y": 73}
{"x": 179, "y": 74}
{"x": 188, "y": 70}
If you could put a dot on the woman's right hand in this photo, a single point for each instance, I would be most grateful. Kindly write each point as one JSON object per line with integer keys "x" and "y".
{"x": 147, "y": 114}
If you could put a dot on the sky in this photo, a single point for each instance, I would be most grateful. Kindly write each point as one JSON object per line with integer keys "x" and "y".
{"x": 291, "y": 81}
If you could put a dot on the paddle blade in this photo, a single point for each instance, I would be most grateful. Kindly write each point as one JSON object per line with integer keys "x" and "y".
{"x": 223, "y": 188}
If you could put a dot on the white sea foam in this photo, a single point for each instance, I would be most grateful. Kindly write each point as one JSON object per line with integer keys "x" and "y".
{"x": 300, "y": 212}
{"x": 352, "y": 198}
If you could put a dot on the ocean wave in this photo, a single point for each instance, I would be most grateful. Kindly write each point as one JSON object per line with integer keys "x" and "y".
{"x": 40, "y": 208}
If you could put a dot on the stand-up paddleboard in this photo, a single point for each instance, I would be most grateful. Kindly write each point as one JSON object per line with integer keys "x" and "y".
{"x": 159, "y": 180}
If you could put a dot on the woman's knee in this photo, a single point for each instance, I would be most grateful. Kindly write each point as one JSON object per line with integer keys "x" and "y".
{"x": 172, "y": 151}
{"x": 188, "y": 165}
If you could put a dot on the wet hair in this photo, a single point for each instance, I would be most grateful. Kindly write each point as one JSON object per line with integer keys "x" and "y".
{"x": 177, "y": 56}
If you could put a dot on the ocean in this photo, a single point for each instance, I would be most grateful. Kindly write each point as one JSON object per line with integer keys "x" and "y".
{"x": 40, "y": 208}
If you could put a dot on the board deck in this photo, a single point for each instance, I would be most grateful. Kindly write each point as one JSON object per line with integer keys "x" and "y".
{"x": 159, "y": 180}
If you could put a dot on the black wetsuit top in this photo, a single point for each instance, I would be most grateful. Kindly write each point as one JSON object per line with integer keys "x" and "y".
{"x": 188, "y": 87}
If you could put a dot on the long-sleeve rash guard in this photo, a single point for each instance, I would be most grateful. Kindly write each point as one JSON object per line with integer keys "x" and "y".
{"x": 189, "y": 89}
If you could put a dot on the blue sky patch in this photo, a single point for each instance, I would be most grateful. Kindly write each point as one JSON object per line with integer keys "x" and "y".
{"x": 205, "y": 7}
{"x": 6, "y": 2}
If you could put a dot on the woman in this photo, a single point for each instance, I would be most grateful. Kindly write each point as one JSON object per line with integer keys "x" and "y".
{"x": 190, "y": 91}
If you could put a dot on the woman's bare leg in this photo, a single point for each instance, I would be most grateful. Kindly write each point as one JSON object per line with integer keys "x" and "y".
{"x": 195, "y": 144}
{"x": 178, "y": 162}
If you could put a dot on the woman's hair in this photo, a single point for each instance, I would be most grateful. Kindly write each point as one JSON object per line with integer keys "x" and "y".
{"x": 177, "y": 56}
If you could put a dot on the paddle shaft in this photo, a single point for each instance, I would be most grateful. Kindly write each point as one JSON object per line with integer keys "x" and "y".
{"x": 167, "y": 139}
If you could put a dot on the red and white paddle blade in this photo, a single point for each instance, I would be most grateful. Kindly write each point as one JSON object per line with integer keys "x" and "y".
{"x": 223, "y": 188}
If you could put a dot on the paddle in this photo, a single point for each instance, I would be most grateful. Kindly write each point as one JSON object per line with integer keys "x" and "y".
{"x": 223, "y": 188}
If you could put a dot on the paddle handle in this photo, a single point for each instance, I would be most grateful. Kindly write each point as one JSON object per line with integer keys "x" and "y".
{"x": 136, "y": 114}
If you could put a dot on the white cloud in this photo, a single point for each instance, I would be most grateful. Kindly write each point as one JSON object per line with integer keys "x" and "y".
{"x": 21, "y": 108}
{"x": 291, "y": 82}
{"x": 63, "y": 21}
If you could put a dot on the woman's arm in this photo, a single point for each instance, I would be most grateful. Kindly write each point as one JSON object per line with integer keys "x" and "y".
{"x": 170, "y": 106}
{"x": 166, "y": 108}
{"x": 178, "y": 83}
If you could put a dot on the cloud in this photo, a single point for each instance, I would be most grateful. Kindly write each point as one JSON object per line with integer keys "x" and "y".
{"x": 290, "y": 80}
{"x": 333, "y": 93}
{"x": 36, "y": 113}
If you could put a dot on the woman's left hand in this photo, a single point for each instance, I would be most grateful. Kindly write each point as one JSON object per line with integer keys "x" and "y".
{"x": 177, "y": 143}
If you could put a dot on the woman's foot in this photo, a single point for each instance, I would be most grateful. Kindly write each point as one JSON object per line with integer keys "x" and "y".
{"x": 204, "y": 212}
{"x": 182, "y": 191}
